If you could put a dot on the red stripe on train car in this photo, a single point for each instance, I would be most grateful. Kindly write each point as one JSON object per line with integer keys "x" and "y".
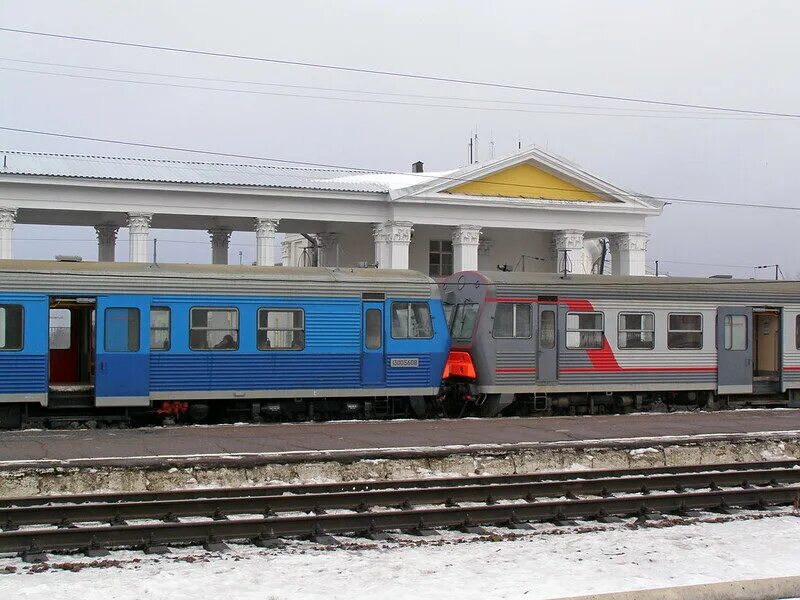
{"x": 619, "y": 369}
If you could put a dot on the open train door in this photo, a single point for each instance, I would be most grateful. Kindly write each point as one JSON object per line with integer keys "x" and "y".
{"x": 735, "y": 350}
{"x": 122, "y": 376}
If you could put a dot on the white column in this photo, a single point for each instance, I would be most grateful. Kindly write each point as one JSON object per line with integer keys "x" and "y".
{"x": 286, "y": 253}
{"x": 220, "y": 240}
{"x": 106, "y": 242}
{"x": 265, "y": 241}
{"x": 8, "y": 217}
{"x": 138, "y": 236}
{"x": 391, "y": 244}
{"x": 328, "y": 249}
{"x": 568, "y": 246}
{"x": 629, "y": 253}
{"x": 466, "y": 239}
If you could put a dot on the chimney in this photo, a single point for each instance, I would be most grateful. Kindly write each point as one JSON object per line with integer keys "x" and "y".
{"x": 417, "y": 167}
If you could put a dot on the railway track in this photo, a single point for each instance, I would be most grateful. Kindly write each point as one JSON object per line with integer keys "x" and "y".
{"x": 263, "y": 515}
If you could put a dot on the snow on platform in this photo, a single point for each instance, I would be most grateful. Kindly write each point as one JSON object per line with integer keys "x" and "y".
{"x": 547, "y": 563}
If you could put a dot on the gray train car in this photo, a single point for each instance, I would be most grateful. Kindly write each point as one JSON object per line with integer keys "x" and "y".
{"x": 539, "y": 343}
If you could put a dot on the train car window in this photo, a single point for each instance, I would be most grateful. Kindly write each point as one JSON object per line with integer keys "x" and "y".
{"x": 122, "y": 329}
{"x": 160, "y": 337}
{"x": 214, "y": 329}
{"x": 373, "y": 329}
{"x": 411, "y": 320}
{"x": 636, "y": 331}
{"x": 512, "y": 320}
{"x": 584, "y": 330}
{"x": 547, "y": 329}
{"x": 464, "y": 318}
{"x": 685, "y": 331}
{"x": 11, "y": 326}
{"x": 281, "y": 329}
{"x": 797, "y": 332}
{"x": 60, "y": 337}
{"x": 735, "y": 329}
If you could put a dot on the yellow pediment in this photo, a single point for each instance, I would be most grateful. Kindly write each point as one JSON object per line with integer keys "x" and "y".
{"x": 524, "y": 181}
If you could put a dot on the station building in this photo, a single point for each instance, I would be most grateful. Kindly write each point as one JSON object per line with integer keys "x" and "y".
{"x": 528, "y": 211}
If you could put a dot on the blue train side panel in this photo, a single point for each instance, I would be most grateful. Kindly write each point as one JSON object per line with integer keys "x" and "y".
{"x": 330, "y": 358}
{"x": 23, "y": 373}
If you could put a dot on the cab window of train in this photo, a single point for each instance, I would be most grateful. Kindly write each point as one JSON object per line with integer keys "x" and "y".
{"x": 584, "y": 330}
{"x": 281, "y": 329}
{"x": 411, "y": 320}
{"x": 636, "y": 331}
{"x": 160, "y": 339}
{"x": 685, "y": 331}
{"x": 449, "y": 309}
{"x": 464, "y": 318}
{"x": 214, "y": 329}
{"x": 122, "y": 329}
{"x": 512, "y": 320}
{"x": 10, "y": 327}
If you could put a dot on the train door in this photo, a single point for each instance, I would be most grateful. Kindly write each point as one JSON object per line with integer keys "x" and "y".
{"x": 767, "y": 350}
{"x": 735, "y": 350}
{"x": 373, "y": 347}
{"x": 71, "y": 346}
{"x": 123, "y": 351}
{"x": 547, "y": 346}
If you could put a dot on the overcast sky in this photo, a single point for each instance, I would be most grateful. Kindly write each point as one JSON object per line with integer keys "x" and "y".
{"x": 734, "y": 54}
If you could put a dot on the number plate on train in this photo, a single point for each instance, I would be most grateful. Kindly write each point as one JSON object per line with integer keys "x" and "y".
{"x": 404, "y": 362}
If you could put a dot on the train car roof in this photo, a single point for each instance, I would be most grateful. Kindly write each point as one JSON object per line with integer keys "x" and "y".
{"x": 86, "y": 277}
{"x": 555, "y": 283}
{"x": 233, "y": 271}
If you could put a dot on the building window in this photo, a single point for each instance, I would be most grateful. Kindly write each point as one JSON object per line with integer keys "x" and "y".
{"x": 464, "y": 319}
{"x": 685, "y": 332}
{"x": 735, "y": 329}
{"x": 373, "y": 329}
{"x": 10, "y": 327}
{"x": 440, "y": 258}
{"x": 584, "y": 330}
{"x": 281, "y": 329}
{"x": 60, "y": 329}
{"x": 411, "y": 320}
{"x": 122, "y": 330}
{"x": 214, "y": 329}
{"x": 512, "y": 320}
{"x": 160, "y": 338}
{"x": 636, "y": 331}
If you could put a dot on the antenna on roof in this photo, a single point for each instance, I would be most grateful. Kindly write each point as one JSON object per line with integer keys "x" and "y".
{"x": 469, "y": 149}
{"x": 519, "y": 140}
{"x": 491, "y": 144}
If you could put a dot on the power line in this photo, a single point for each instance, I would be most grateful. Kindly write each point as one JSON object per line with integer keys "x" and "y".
{"x": 710, "y": 117}
{"x": 416, "y": 76}
{"x": 639, "y": 112}
{"x": 364, "y": 171}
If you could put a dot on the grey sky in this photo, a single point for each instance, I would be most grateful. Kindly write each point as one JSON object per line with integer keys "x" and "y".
{"x": 738, "y": 54}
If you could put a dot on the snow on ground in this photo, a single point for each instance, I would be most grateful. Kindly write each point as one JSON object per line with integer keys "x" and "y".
{"x": 545, "y": 563}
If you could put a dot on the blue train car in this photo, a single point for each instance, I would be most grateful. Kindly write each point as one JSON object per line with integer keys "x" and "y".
{"x": 105, "y": 341}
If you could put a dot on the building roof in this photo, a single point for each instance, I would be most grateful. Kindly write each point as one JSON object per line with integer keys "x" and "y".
{"x": 212, "y": 173}
{"x": 397, "y": 185}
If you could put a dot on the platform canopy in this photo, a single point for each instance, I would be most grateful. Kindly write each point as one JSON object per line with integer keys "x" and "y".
{"x": 529, "y": 204}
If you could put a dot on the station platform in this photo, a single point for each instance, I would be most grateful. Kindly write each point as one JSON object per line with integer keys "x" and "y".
{"x": 351, "y": 440}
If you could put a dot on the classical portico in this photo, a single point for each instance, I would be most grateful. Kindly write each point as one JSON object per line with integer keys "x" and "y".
{"x": 527, "y": 211}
